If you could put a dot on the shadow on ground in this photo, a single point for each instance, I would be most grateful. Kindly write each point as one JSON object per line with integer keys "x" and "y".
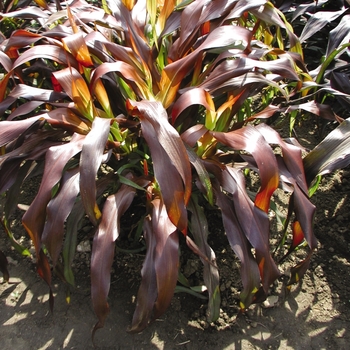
{"x": 314, "y": 315}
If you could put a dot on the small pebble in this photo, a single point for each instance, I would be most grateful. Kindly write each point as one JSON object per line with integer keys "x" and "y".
{"x": 270, "y": 301}
{"x": 84, "y": 246}
{"x": 12, "y": 261}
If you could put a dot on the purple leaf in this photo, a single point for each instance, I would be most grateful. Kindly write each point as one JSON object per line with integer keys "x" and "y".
{"x": 254, "y": 223}
{"x": 241, "y": 139}
{"x": 330, "y": 154}
{"x": 166, "y": 257}
{"x": 238, "y": 241}
{"x": 189, "y": 98}
{"x": 54, "y": 53}
{"x": 304, "y": 209}
{"x": 311, "y": 7}
{"x": 291, "y": 155}
{"x": 147, "y": 293}
{"x": 58, "y": 210}
{"x": 90, "y": 161}
{"x": 243, "y": 6}
{"x": 219, "y": 39}
{"x": 319, "y": 109}
{"x": 44, "y": 271}
{"x": 35, "y": 94}
{"x": 170, "y": 161}
{"x": 25, "y": 108}
{"x": 103, "y": 250}
{"x": 55, "y": 160}
{"x": 5, "y": 61}
{"x": 29, "y": 12}
{"x": 160, "y": 268}
{"x": 10, "y": 130}
{"x": 339, "y": 35}
{"x": 317, "y": 21}
{"x": 127, "y": 71}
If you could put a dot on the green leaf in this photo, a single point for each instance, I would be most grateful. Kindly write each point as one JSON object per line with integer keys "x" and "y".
{"x": 147, "y": 293}
{"x": 191, "y": 291}
{"x": 124, "y": 180}
{"x": 328, "y": 61}
{"x": 199, "y": 229}
{"x": 314, "y": 186}
{"x": 70, "y": 241}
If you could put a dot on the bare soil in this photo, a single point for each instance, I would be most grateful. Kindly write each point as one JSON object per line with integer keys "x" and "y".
{"x": 314, "y": 314}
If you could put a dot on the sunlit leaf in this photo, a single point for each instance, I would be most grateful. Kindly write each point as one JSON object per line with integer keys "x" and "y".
{"x": 317, "y": 21}
{"x": 5, "y": 61}
{"x": 54, "y": 53}
{"x": 58, "y": 210}
{"x": 298, "y": 235}
{"x": 55, "y": 160}
{"x": 90, "y": 160}
{"x": 189, "y": 98}
{"x": 301, "y": 204}
{"x": 241, "y": 140}
{"x": 168, "y": 152}
{"x": 128, "y": 72}
{"x": 42, "y": 3}
{"x": 330, "y": 154}
{"x": 103, "y": 98}
{"x": 339, "y": 35}
{"x": 221, "y": 38}
{"x": 166, "y": 10}
{"x": 29, "y": 12}
{"x": 256, "y": 229}
{"x": 311, "y": 7}
{"x": 82, "y": 98}
{"x": 76, "y": 45}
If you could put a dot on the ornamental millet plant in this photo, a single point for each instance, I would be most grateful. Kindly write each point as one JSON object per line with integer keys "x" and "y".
{"x": 162, "y": 100}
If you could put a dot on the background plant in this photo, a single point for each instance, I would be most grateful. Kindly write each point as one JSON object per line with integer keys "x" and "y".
{"x": 162, "y": 101}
